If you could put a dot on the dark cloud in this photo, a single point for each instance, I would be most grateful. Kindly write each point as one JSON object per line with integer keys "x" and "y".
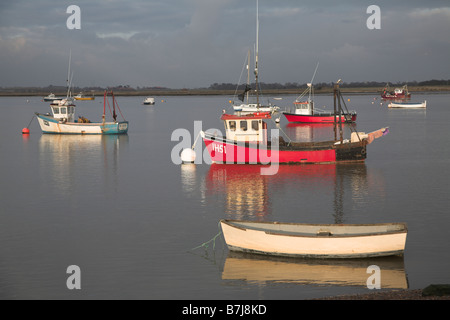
{"x": 193, "y": 43}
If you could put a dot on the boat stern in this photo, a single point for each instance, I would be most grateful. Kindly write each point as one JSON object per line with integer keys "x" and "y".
{"x": 115, "y": 128}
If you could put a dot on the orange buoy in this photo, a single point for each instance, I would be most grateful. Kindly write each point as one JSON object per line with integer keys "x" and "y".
{"x": 25, "y": 131}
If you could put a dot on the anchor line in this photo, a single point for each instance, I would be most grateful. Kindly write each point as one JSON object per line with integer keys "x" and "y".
{"x": 31, "y": 121}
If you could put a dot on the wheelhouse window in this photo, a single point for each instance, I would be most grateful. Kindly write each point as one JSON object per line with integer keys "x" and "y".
{"x": 56, "y": 110}
{"x": 232, "y": 125}
{"x": 243, "y": 125}
{"x": 64, "y": 110}
{"x": 255, "y": 125}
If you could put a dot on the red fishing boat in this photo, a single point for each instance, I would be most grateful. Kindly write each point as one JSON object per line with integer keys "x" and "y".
{"x": 397, "y": 94}
{"x": 305, "y": 112}
{"x": 247, "y": 141}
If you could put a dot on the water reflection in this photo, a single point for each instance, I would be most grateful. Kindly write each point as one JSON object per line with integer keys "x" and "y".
{"x": 307, "y": 132}
{"x": 65, "y": 159}
{"x": 188, "y": 177}
{"x": 412, "y": 116}
{"x": 248, "y": 193}
{"x": 257, "y": 269}
{"x": 245, "y": 189}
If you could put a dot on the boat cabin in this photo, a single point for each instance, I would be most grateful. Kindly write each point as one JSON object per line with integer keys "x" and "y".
{"x": 304, "y": 107}
{"x": 63, "y": 110}
{"x": 247, "y": 128}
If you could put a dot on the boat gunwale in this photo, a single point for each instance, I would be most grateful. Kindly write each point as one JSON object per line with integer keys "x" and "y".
{"x": 54, "y": 120}
{"x": 232, "y": 224}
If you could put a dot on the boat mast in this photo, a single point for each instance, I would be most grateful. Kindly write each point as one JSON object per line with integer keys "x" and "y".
{"x": 337, "y": 112}
{"x": 256, "y": 56}
{"x": 248, "y": 74}
{"x": 104, "y": 107}
{"x": 69, "y": 80}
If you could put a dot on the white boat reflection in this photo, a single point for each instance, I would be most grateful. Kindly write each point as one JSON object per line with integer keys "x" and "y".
{"x": 71, "y": 157}
{"x": 263, "y": 270}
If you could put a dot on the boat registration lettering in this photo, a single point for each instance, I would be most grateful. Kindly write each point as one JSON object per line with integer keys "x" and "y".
{"x": 123, "y": 126}
{"x": 219, "y": 148}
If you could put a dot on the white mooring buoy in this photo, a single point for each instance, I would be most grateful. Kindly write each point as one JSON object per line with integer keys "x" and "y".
{"x": 187, "y": 156}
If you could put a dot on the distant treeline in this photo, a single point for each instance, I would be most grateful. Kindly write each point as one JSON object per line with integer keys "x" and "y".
{"x": 75, "y": 90}
{"x": 320, "y": 85}
{"x": 222, "y": 87}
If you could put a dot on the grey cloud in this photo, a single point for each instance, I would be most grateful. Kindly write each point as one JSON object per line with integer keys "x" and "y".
{"x": 193, "y": 43}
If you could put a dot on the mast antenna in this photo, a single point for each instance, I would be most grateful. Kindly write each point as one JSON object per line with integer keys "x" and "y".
{"x": 257, "y": 53}
{"x": 68, "y": 74}
{"x": 312, "y": 79}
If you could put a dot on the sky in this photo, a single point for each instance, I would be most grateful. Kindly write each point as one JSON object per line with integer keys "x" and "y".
{"x": 195, "y": 43}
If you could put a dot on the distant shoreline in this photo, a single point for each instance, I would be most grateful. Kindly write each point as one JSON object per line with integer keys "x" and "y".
{"x": 209, "y": 92}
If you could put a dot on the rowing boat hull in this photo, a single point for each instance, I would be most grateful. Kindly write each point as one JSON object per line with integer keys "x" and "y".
{"x": 51, "y": 125}
{"x": 315, "y": 241}
{"x": 408, "y": 105}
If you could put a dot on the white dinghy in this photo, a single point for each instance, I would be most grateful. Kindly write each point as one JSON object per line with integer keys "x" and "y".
{"x": 413, "y": 105}
{"x": 315, "y": 240}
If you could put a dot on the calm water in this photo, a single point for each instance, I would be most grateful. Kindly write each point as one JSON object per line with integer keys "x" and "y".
{"x": 131, "y": 219}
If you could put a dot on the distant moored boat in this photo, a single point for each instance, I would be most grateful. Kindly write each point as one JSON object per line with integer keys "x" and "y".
{"x": 413, "y": 105}
{"x": 51, "y": 97}
{"x": 149, "y": 101}
{"x": 397, "y": 94}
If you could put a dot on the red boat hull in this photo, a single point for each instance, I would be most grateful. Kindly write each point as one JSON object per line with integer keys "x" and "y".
{"x": 224, "y": 151}
{"x": 319, "y": 118}
{"x": 399, "y": 96}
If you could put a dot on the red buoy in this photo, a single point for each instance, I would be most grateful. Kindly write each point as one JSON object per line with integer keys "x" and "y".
{"x": 25, "y": 131}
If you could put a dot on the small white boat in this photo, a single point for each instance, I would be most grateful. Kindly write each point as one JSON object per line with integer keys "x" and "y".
{"x": 149, "y": 101}
{"x": 412, "y": 105}
{"x": 82, "y": 96}
{"x": 253, "y": 107}
{"x": 315, "y": 240}
{"x": 51, "y": 97}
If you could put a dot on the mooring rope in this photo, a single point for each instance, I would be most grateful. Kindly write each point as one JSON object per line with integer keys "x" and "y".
{"x": 31, "y": 120}
{"x": 206, "y": 244}
{"x": 284, "y": 133}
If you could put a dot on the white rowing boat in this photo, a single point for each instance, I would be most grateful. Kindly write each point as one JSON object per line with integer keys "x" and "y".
{"x": 315, "y": 240}
{"x": 407, "y": 105}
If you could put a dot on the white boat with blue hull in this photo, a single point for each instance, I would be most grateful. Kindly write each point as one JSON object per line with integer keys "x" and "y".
{"x": 62, "y": 120}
